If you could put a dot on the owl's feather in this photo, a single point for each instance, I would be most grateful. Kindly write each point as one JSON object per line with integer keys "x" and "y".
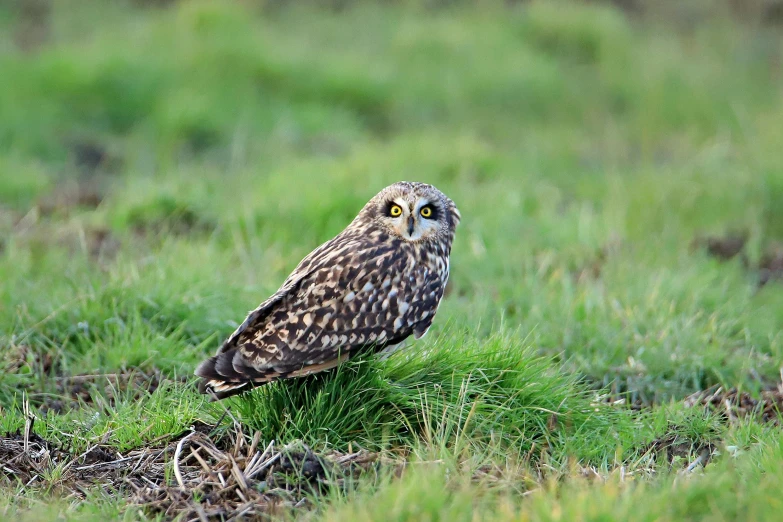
{"x": 363, "y": 290}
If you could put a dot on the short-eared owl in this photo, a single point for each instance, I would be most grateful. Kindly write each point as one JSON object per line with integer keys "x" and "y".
{"x": 376, "y": 283}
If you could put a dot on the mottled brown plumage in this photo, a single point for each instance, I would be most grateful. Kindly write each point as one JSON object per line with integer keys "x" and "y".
{"x": 375, "y": 284}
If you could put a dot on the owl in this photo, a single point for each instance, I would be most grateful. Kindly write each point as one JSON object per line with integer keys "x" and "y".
{"x": 372, "y": 286}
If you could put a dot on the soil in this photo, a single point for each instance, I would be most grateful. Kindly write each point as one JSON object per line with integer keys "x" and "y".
{"x": 768, "y": 269}
{"x": 734, "y": 404}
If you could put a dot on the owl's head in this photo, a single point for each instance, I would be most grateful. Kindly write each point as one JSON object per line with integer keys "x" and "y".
{"x": 413, "y": 211}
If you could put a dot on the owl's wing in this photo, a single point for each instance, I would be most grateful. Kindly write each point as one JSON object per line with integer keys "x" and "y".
{"x": 291, "y": 284}
{"x": 353, "y": 294}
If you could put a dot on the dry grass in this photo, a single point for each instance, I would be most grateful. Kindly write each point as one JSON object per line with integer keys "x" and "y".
{"x": 198, "y": 475}
{"x": 735, "y": 404}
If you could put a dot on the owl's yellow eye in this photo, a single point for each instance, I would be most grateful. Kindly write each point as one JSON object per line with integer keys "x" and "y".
{"x": 426, "y": 212}
{"x": 395, "y": 211}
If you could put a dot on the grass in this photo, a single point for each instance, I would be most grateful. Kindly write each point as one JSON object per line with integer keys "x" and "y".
{"x": 163, "y": 168}
{"x": 469, "y": 392}
{"x": 735, "y": 489}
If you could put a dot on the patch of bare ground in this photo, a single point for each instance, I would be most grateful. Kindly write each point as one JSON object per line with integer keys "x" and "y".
{"x": 36, "y": 232}
{"x": 168, "y": 217}
{"x": 43, "y": 226}
{"x": 592, "y": 268}
{"x": 246, "y": 480}
{"x": 52, "y": 394}
{"x": 14, "y": 357}
{"x": 212, "y": 477}
{"x": 675, "y": 447}
{"x": 722, "y": 247}
{"x": 734, "y": 404}
{"x": 34, "y": 24}
{"x": 85, "y": 194}
{"x": 92, "y": 157}
{"x": 30, "y": 461}
{"x": 74, "y": 391}
{"x": 99, "y": 243}
{"x": 769, "y": 267}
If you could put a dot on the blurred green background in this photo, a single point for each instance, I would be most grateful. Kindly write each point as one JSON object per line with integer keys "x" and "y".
{"x": 164, "y": 165}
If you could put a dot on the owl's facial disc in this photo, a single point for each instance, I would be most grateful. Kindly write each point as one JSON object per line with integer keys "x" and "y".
{"x": 412, "y": 219}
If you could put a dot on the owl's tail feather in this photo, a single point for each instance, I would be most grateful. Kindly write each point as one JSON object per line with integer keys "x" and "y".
{"x": 227, "y": 374}
{"x": 222, "y": 377}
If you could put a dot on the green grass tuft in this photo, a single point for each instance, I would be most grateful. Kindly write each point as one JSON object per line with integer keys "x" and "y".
{"x": 445, "y": 393}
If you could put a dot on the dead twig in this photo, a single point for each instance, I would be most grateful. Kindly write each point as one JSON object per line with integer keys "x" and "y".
{"x": 177, "y": 453}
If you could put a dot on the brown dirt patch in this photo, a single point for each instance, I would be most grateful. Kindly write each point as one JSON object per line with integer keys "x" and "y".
{"x": 168, "y": 216}
{"x": 100, "y": 244}
{"x": 592, "y": 268}
{"x": 33, "y": 28}
{"x": 212, "y": 478}
{"x": 28, "y": 460}
{"x": 82, "y": 194}
{"x": 673, "y": 447}
{"x": 771, "y": 265}
{"x": 15, "y": 357}
{"x": 92, "y": 157}
{"x": 724, "y": 248}
{"x": 735, "y": 404}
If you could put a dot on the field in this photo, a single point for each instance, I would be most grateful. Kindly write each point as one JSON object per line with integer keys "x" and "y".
{"x": 611, "y": 343}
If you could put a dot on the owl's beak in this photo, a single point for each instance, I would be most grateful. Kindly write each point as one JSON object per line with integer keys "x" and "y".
{"x": 410, "y": 225}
